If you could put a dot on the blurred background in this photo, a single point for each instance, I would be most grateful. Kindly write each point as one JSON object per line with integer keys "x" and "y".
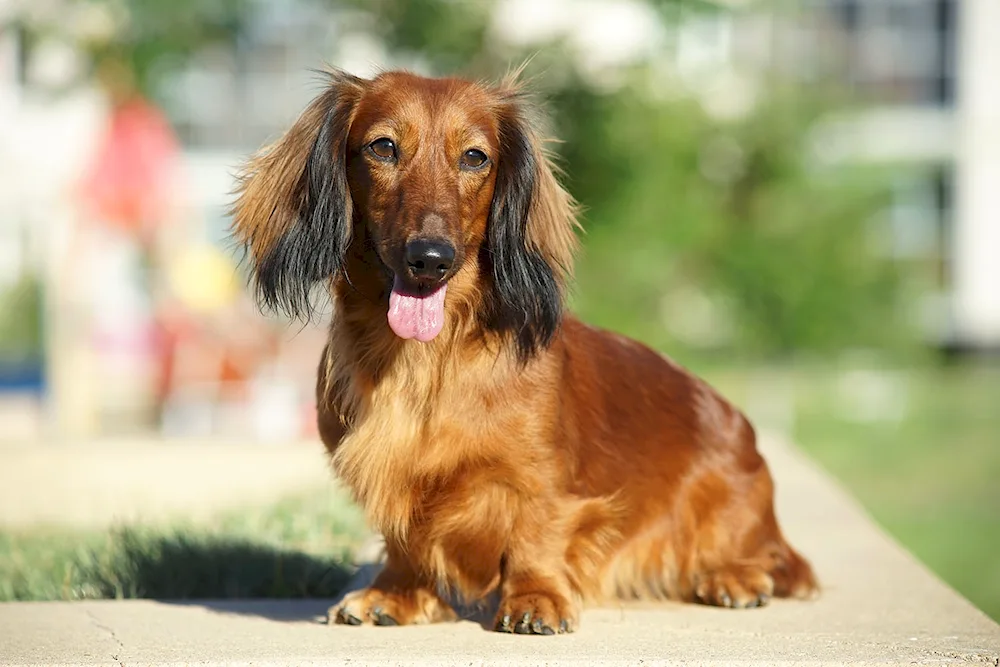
{"x": 796, "y": 199}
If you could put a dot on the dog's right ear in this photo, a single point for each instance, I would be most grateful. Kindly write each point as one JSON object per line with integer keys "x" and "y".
{"x": 292, "y": 214}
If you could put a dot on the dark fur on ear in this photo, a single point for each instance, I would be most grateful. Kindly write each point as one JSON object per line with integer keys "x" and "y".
{"x": 293, "y": 211}
{"x": 530, "y": 239}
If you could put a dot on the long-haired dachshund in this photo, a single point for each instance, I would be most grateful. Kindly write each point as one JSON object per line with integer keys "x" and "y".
{"x": 497, "y": 443}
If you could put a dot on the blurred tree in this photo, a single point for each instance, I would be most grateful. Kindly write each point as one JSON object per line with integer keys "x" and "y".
{"x": 702, "y": 231}
{"x": 712, "y": 232}
{"x": 451, "y": 36}
{"x": 150, "y": 39}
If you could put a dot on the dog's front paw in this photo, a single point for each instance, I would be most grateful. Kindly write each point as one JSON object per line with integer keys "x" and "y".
{"x": 536, "y": 614}
{"x": 374, "y": 607}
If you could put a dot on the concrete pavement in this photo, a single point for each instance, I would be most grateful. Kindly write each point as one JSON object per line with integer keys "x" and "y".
{"x": 136, "y": 479}
{"x": 879, "y": 607}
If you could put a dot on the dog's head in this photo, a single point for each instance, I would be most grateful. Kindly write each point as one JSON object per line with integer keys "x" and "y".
{"x": 440, "y": 179}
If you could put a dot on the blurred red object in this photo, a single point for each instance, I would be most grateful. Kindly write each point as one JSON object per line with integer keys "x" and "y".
{"x": 131, "y": 181}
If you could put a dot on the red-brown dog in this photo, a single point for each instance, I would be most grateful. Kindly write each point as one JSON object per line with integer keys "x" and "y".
{"x": 494, "y": 441}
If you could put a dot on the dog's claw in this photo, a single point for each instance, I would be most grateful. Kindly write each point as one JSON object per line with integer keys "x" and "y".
{"x": 504, "y": 624}
{"x": 539, "y": 628}
{"x": 347, "y": 618}
{"x": 563, "y": 626}
{"x": 725, "y": 600}
{"x": 382, "y": 618}
{"x": 523, "y": 626}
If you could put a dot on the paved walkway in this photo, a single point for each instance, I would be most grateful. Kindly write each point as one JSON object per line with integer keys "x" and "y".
{"x": 880, "y": 607}
{"x": 96, "y": 484}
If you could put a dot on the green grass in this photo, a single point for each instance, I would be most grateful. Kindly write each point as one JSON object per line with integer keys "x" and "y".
{"x": 300, "y": 547}
{"x": 932, "y": 477}
{"x": 920, "y": 448}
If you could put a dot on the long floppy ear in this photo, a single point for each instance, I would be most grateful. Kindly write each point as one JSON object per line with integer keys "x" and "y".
{"x": 530, "y": 237}
{"x": 293, "y": 209}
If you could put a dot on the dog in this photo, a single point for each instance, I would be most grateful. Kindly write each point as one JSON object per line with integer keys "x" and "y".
{"x": 500, "y": 445}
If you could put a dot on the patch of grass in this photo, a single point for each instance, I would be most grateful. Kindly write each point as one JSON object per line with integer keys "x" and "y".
{"x": 920, "y": 448}
{"x": 298, "y": 548}
{"x": 930, "y": 476}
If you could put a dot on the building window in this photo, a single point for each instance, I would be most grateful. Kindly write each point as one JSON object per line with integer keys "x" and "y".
{"x": 895, "y": 51}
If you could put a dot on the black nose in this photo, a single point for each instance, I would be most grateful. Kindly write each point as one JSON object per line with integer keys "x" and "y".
{"x": 429, "y": 259}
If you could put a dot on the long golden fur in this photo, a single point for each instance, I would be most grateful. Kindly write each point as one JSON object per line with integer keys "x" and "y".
{"x": 517, "y": 449}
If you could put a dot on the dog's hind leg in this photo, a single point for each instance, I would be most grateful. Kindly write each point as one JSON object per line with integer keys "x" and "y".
{"x": 757, "y": 563}
{"x": 752, "y": 583}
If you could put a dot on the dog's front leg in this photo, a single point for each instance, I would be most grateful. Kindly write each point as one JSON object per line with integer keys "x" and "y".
{"x": 536, "y": 597}
{"x": 398, "y": 596}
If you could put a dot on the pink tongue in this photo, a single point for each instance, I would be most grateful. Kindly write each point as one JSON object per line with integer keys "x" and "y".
{"x": 413, "y": 316}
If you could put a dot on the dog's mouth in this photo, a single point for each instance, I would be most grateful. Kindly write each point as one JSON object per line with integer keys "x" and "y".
{"x": 416, "y": 312}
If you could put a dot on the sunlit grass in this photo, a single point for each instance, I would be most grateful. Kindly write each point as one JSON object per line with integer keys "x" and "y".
{"x": 300, "y": 547}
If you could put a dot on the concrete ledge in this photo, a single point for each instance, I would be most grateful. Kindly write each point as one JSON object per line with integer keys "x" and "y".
{"x": 879, "y": 607}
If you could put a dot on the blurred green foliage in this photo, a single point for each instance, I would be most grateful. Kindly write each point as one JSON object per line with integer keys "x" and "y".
{"x": 703, "y": 233}
{"x": 778, "y": 251}
{"x": 21, "y": 321}
{"x": 148, "y": 39}
{"x": 457, "y": 30}
{"x": 733, "y": 219}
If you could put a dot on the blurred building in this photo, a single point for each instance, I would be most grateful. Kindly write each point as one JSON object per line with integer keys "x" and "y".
{"x": 928, "y": 70}
{"x": 140, "y": 334}
{"x": 925, "y": 75}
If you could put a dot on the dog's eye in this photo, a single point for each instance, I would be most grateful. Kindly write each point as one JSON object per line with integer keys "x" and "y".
{"x": 473, "y": 159}
{"x": 383, "y": 149}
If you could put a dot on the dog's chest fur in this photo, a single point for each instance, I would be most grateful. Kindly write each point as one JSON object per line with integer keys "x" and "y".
{"x": 416, "y": 434}
{"x": 419, "y": 455}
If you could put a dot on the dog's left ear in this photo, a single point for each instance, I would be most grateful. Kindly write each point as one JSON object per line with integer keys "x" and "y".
{"x": 293, "y": 209}
{"x": 531, "y": 235}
